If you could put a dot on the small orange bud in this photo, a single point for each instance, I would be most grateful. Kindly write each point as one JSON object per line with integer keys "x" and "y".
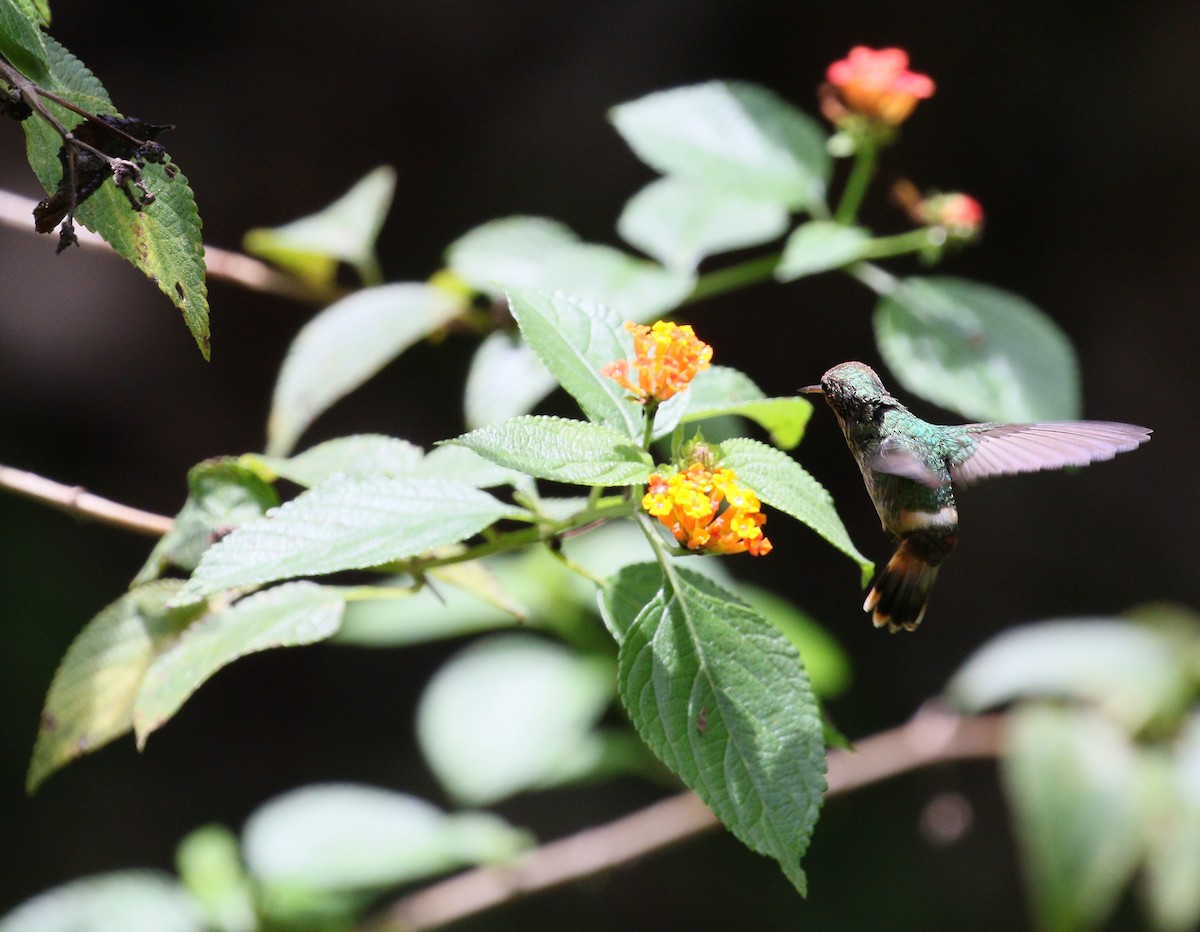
{"x": 878, "y": 85}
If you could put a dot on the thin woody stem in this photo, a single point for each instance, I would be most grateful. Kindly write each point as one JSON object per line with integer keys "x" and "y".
{"x": 78, "y": 501}
{"x": 932, "y": 736}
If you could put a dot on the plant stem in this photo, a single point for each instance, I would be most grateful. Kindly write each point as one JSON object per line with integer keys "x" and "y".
{"x": 750, "y": 272}
{"x": 856, "y": 185}
{"x": 78, "y": 501}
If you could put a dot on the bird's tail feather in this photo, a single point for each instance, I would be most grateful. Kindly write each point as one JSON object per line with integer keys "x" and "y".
{"x": 900, "y": 594}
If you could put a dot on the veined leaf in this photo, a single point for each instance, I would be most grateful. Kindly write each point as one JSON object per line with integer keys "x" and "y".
{"x": 343, "y": 524}
{"x": 21, "y": 40}
{"x": 721, "y": 391}
{"x": 576, "y": 339}
{"x": 721, "y": 697}
{"x": 819, "y": 246}
{"x": 734, "y": 137}
{"x": 163, "y": 239}
{"x": 132, "y": 901}
{"x": 977, "y": 350}
{"x": 91, "y": 698}
{"x": 345, "y": 231}
{"x": 287, "y": 616}
{"x": 781, "y": 482}
{"x": 346, "y": 344}
{"x": 681, "y": 222}
{"x": 561, "y": 449}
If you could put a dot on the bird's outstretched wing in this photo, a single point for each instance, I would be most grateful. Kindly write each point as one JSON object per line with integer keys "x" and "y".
{"x": 1002, "y": 449}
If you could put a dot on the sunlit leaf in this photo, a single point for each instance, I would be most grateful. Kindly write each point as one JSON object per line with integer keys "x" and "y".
{"x": 506, "y": 379}
{"x": 209, "y": 861}
{"x": 719, "y": 391}
{"x": 819, "y": 246}
{"x": 131, "y": 901}
{"x": 1172, "y": 834}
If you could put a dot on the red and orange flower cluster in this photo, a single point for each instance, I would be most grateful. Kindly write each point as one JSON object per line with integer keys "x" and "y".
{"x": 875, "y": 84}
{"x": 667, "y": 357}
{"x": 708, "y": 510}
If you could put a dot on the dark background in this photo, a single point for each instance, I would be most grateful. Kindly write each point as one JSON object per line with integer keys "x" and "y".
{"x": 1075, "y": 124}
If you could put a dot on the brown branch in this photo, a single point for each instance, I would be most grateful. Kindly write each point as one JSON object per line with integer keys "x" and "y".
{"x": 16, "y": 211}
{"x": 79, "y": 501}
{"x": 931, "y": 736}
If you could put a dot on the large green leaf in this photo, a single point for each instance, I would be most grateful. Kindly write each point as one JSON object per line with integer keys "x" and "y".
{"x": 287, "y": 616}
{"x": 681, "y": 222}
{"x": 734, "y": 137}
{"x": 345, "y": 231}
{"x": 348, "y": 837}
{"x": 91, "y": 698}
{"x": 1073, "y": 782}
{"x": 576, "y": 339}
{"x": 781, "y": 482}
{"x": 720, "y": 391}
{"x": 129, "y": 901}
{"x": 21, "y": 41}
{"x": 511, "y": 713}
{"x": 343, "y": 524}
{"x": 819, "y": 246}
{"x": 163, "y": 238}
{"x": 346, "y": 344}
{"x": 561, "y": 449}
{"x": 222, "y": 495}
{"x": 983, "y": 352}
{"x": 722, "y": 698}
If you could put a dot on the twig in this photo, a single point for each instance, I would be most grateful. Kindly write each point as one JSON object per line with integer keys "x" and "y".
{"x": 79, "y": 501}
{"x": 16, "y": 211}
{"x": 931, "y": 736}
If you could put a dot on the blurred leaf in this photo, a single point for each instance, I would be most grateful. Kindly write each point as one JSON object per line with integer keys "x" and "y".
{"x": 222, "y": 495}
{"x": 825, "y": 662}
{"x": 357, "y": 455}
{"x": 734, "y": 137}
{"x": 575, "y": 339}
{"x": 90, "y": 701}
{"x": 819, "y": 246}
{"x": 287, "y": 616}
{"x": 21, "y": 40}
{"x": 348, "y": 837}
{"x": 561, "y": 449}
{"x": 780, "y": 482}
{"x": 345, "y": 231}
{"x": 680, "y": 222}
{"x": 1172, "y": 834}
{"x": 721, "y": 391}
{"x": 343, "y": 524}
{"x": 535, "y": 254}
{"x": 977, "y": 350}
{"x": 512, "y": 713}
{"x": 347, "y": 343}
{"x": 210, "y": 866}
{"x": 1128, "y": 669}
{"x": 721, "y": 697}
{"x": 128, "y": 901}
{"x": 506, "y": 379}
{"x": 1073, "y": 782}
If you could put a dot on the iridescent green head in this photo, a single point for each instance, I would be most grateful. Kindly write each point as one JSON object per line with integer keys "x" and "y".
{"x": 853, "y": 390}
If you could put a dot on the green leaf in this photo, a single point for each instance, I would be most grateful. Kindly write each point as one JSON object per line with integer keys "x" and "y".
{"x": 36, "y": 11}
{"x": 819, "y": 246}
{"x": 131, "y": 901}
{"x": 346, "y": 344}
{"x": 734, "y": 137}
{"x": 1130, "y": 670}
{"x": 721, "y": 697}
{"x": 561, "y": 449}
{"x": 977, "y": 350}
{"x": 222, "y": 495}
{"x": 781, "y": 482}
{"x": 21, "y": 40}
{"x": 534, "y": 254}
{"x": 512, "y": 713}
{"x": 626, "y": 595}
{"x": 576, "y": 339}
{"x": 209, "y": 863}
{"x": 1172, "y": 832}
{"x": 1072, "y": 779}
{"x": 163, "y": 239}
{"x": 681, "y": 222}
{"x": 825, "y": 662}
{"x": 722, "y": 391}
{"x": 345, "y": 231}
{"x": 349, "y": 837}
{"x": 505, "y": 380}
{"x": 290, "y": 615}
{"x": 356, "y": 455}
{"x": 344, "y": 524}
{"x": 90, "y": 701}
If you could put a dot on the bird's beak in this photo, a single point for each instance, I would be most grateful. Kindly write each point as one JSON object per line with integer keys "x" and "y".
{"x": 812, "y": 390}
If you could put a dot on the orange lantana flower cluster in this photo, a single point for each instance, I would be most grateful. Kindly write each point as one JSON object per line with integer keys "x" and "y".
{"x": 878, "y": 85}
{"x": 667, "y": 357}
{"x": 708, "y": 510}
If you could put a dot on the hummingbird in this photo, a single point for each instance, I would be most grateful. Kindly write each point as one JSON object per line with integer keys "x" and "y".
{"x": 911, "y": 468}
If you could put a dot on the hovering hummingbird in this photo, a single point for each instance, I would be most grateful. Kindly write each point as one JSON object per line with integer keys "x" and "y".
{"x": 910, "y": 467}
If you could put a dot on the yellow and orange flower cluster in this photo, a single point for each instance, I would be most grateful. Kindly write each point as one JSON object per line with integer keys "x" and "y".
{"x": 666, "y": 358}
{"x": 876, "y": 84}
{"x": 707, "y": 510}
